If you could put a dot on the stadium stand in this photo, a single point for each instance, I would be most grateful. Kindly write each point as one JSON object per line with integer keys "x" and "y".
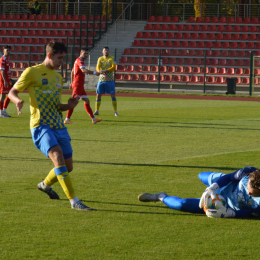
{"x": 23, "y": 31}
{"x": 228, "y": 43}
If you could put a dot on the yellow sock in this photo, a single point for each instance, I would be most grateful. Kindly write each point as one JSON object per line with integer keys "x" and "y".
{"x": 51, "y": 178}
{"x": 65, "y": 181}
{"x": 114, "y": 103}
{"x": 97, "y": 105}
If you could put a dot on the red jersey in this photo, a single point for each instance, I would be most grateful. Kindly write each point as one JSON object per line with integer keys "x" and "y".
{"x": 79, "y": 76}
{"x": 5, "y": 65}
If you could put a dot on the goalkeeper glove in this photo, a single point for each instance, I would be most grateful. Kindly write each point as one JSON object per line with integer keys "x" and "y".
{"x": 209, "y": 192}
{"x": 222, "y": 212}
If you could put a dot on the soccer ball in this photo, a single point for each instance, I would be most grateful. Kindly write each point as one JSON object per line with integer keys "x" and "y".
{"x": 215, "y": 204}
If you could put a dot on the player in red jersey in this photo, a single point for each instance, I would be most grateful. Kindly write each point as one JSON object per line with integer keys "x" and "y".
{"x": 5, "y": 81}
{"x": 77, "y": 84}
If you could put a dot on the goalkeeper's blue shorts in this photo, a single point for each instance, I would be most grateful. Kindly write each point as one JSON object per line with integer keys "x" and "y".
{"x": 104, "y": 87}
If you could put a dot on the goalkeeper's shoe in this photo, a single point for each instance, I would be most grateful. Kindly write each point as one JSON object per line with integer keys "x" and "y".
{"x": 80, "y": 206}
{"x": 96, "y": 120}
{"x": 50, "y": 192}
{"x": 6, "y": 114}
{"x": 69, "y": 122}
{"x": 148, "y": 197}
{"x": 96, "y": 113}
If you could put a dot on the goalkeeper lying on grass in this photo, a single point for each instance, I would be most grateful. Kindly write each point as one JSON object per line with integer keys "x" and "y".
{"x": 241, "y": 190}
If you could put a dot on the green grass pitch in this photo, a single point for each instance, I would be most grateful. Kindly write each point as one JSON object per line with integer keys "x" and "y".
{"x": 154, "y": 145}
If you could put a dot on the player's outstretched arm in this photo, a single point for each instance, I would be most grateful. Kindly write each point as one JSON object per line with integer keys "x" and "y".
{"x": 72, "y": 102}
{"x": 13, "y": 95}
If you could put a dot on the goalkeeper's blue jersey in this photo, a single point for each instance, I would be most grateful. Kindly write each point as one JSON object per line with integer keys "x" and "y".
{"x": 236, "y": 192}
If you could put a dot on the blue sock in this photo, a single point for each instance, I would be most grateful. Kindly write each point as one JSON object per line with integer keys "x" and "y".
{"x": 187, "y": 205}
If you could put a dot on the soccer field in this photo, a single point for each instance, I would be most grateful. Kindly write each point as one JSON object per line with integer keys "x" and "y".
{"x": 154, "y": 145}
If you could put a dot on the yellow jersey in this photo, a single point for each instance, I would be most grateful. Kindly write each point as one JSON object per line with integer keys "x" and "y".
{"x": 109, "y": 64}
{"x": 45, "y": 87}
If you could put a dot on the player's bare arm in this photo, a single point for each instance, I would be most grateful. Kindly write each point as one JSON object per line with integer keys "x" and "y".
{"x": 13, "y": 95}
{"x": 72, "y": 102}
{"x": 6, "y": 85}
{"x": 90, "y": 72}
{"x": 72, "y": 79}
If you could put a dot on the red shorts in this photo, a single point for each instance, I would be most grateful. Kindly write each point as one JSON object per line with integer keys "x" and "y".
{"x": 79, "y": 92}
{"x": 4, "y": 90}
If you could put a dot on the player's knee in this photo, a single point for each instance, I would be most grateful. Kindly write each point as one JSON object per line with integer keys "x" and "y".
{"x": 86, "y": 101}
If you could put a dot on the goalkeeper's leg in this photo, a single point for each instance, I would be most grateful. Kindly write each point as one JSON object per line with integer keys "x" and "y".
{"x": 187, "y": 205}
{"x": 204, "y": 177}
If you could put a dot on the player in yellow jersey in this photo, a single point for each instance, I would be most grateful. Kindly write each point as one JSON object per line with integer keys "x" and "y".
{"x": 49, "y": 134}
{"x": 106, "y": 66}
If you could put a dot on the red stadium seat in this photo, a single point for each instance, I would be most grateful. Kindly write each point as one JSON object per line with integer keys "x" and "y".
{"x": 211, "y": 36}
{"x": 185, "y": 79}
{"x": 199, "y": 20}
{"x": 168, "y": 78}
{"x": 31, "y": 17}
{"x": 172, "y": 27}
{"x": 178, "y": 36}
{"x": 224, "y": 53}
{"x": 209, "y": 44}
{"x": 138, "y": 68}
{"x": 191, "y": 52}
{"x": 164, "y": 60}
{"x": 27, "y": 25}
{"x": 191, "y": 19}
{"x": 222, "y": 62}
{"x": 242, "y": 45}
{"x": 171, "y": 36}
{"x": 176, "y": 78}
{"x": 228, "y": 28}
{"x": 159, "y": 19}
{"x": 172, "y": 61}
{"x": 257, "y": 72}
{"x": 164, "y": 27}
{"x": 257, "y": 46}
{"x": 188, "y": 27}
{"x": 231, "y": 19}
{"x": 246, "y": 71}
{"x": 146, "y": 35}
{"x": 255, "y": 20}
{"x": 196, "y": 27}
{"x": 216, "y": 53}
{"x": 163, "y": 69}
{"x": 219, "y": 80}
{"x": 238, "y": 20}
{"x": 152, "y": 78}
{"x": 119, "y": 77}
{"x": 206, "y": 19}
{"x": 176, "y": 44}
{"x": 120, "y": 68}
{"x": 183, "y": 52}
{"x": 230, "y": 71}
{"x": 244, "y": 37}
{"x": 225, "y": 45}
{"x": 154, "y": 69}
{"x": 201, "y": 44}
{"x": 146, "y": 69}
{"x": 151, "y": 19}
{"x": 220, "y": 28}
{"x": 133, "y": 60}
{"x": 167, "y": 19}
{"x": 175, "y": 19}
{"x": 220, "y": 36}
{"x": 143, "y": 77}
{"x": 193, "y": 79}
{"x": 250, "y": 45}
{"x": 233, "y": 45}
{"x": 136, "y": 43}
{"x": 214, "y": 62}
{"x": 244, "y": 28}
{"x": 184, "y": 44}
{"x": 204, "y": 28}
{"x": 247, "y": 20}
{"x": 32, "y": 33}
{"x": 123, "y": 59}
{"x": 222, "y": 20}
{"x": 236, "y": 37}
{"x": 166, "y": 52}
{"x": 188, "y": 70}
{"x": 180, "y": 27}
{"x": 212, "y": 28}
{"x": 240, "y": 63}
{"x": 126, "y": 77}
{"x": 222, "y": 71}
{"x": 210, "y": 80}
{"x": 197, "y": 61}
{"x": 231, "y": 62}
{"x": 252, "y": 37}
{"x": 129, "y": 68}
{"x": 253, "y": 29}
{"x": 203, "y": 36}
{"x": 135, "y": 77}
{"x": 41, "y": 25}
{"x": 170, "y": 69}
{"x": 237, "y": 28}
{"x": 214, "y": 20}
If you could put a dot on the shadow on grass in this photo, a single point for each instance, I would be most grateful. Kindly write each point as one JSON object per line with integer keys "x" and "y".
{"x": 174, "y": 212}
{"x": 126, "y": 164}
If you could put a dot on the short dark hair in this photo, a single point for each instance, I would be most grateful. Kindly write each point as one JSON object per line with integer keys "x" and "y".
{"x": 55, "y": 47}
{"x": 83, "y": 49}
{"x": 7, "y": 47}
{"x": 254, "y": 178}
{"x": 105, "y": 48}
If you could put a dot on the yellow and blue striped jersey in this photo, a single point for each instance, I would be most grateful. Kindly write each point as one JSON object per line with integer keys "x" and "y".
{"x": 109, "y": 64}
{"x": 45, "y": 87}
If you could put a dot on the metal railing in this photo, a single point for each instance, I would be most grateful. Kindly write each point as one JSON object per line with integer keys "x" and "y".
{"x": 139, "y": 11}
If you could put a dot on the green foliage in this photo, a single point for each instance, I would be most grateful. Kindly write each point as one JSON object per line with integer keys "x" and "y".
{"x": 154, "y": 145}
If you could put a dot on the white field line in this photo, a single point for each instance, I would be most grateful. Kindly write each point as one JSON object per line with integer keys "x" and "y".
{"x": 205, "y": 155}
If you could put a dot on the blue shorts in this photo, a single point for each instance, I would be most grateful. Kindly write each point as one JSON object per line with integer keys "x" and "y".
{"x": 104, "y": 87}
{"x": 44, "y": 138}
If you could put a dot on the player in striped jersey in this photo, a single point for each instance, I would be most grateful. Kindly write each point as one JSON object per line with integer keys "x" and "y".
{"x": 48, "y": 131}
{"x": 77, "y": 84}
{"x": 241, "y": 190}
{"x": 5, "y": 81}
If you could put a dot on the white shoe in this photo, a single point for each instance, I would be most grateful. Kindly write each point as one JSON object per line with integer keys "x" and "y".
{"x": 116, "y": 114}
{"x": 6, "y": 114}
{"x": 80, "y": 206}
{"x": 96, "y": 113}
{"x": 3, "y": 115}
{"x": 148, "y": 197}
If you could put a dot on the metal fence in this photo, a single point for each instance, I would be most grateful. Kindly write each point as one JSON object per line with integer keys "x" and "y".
{"x": 139, "y": 11}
